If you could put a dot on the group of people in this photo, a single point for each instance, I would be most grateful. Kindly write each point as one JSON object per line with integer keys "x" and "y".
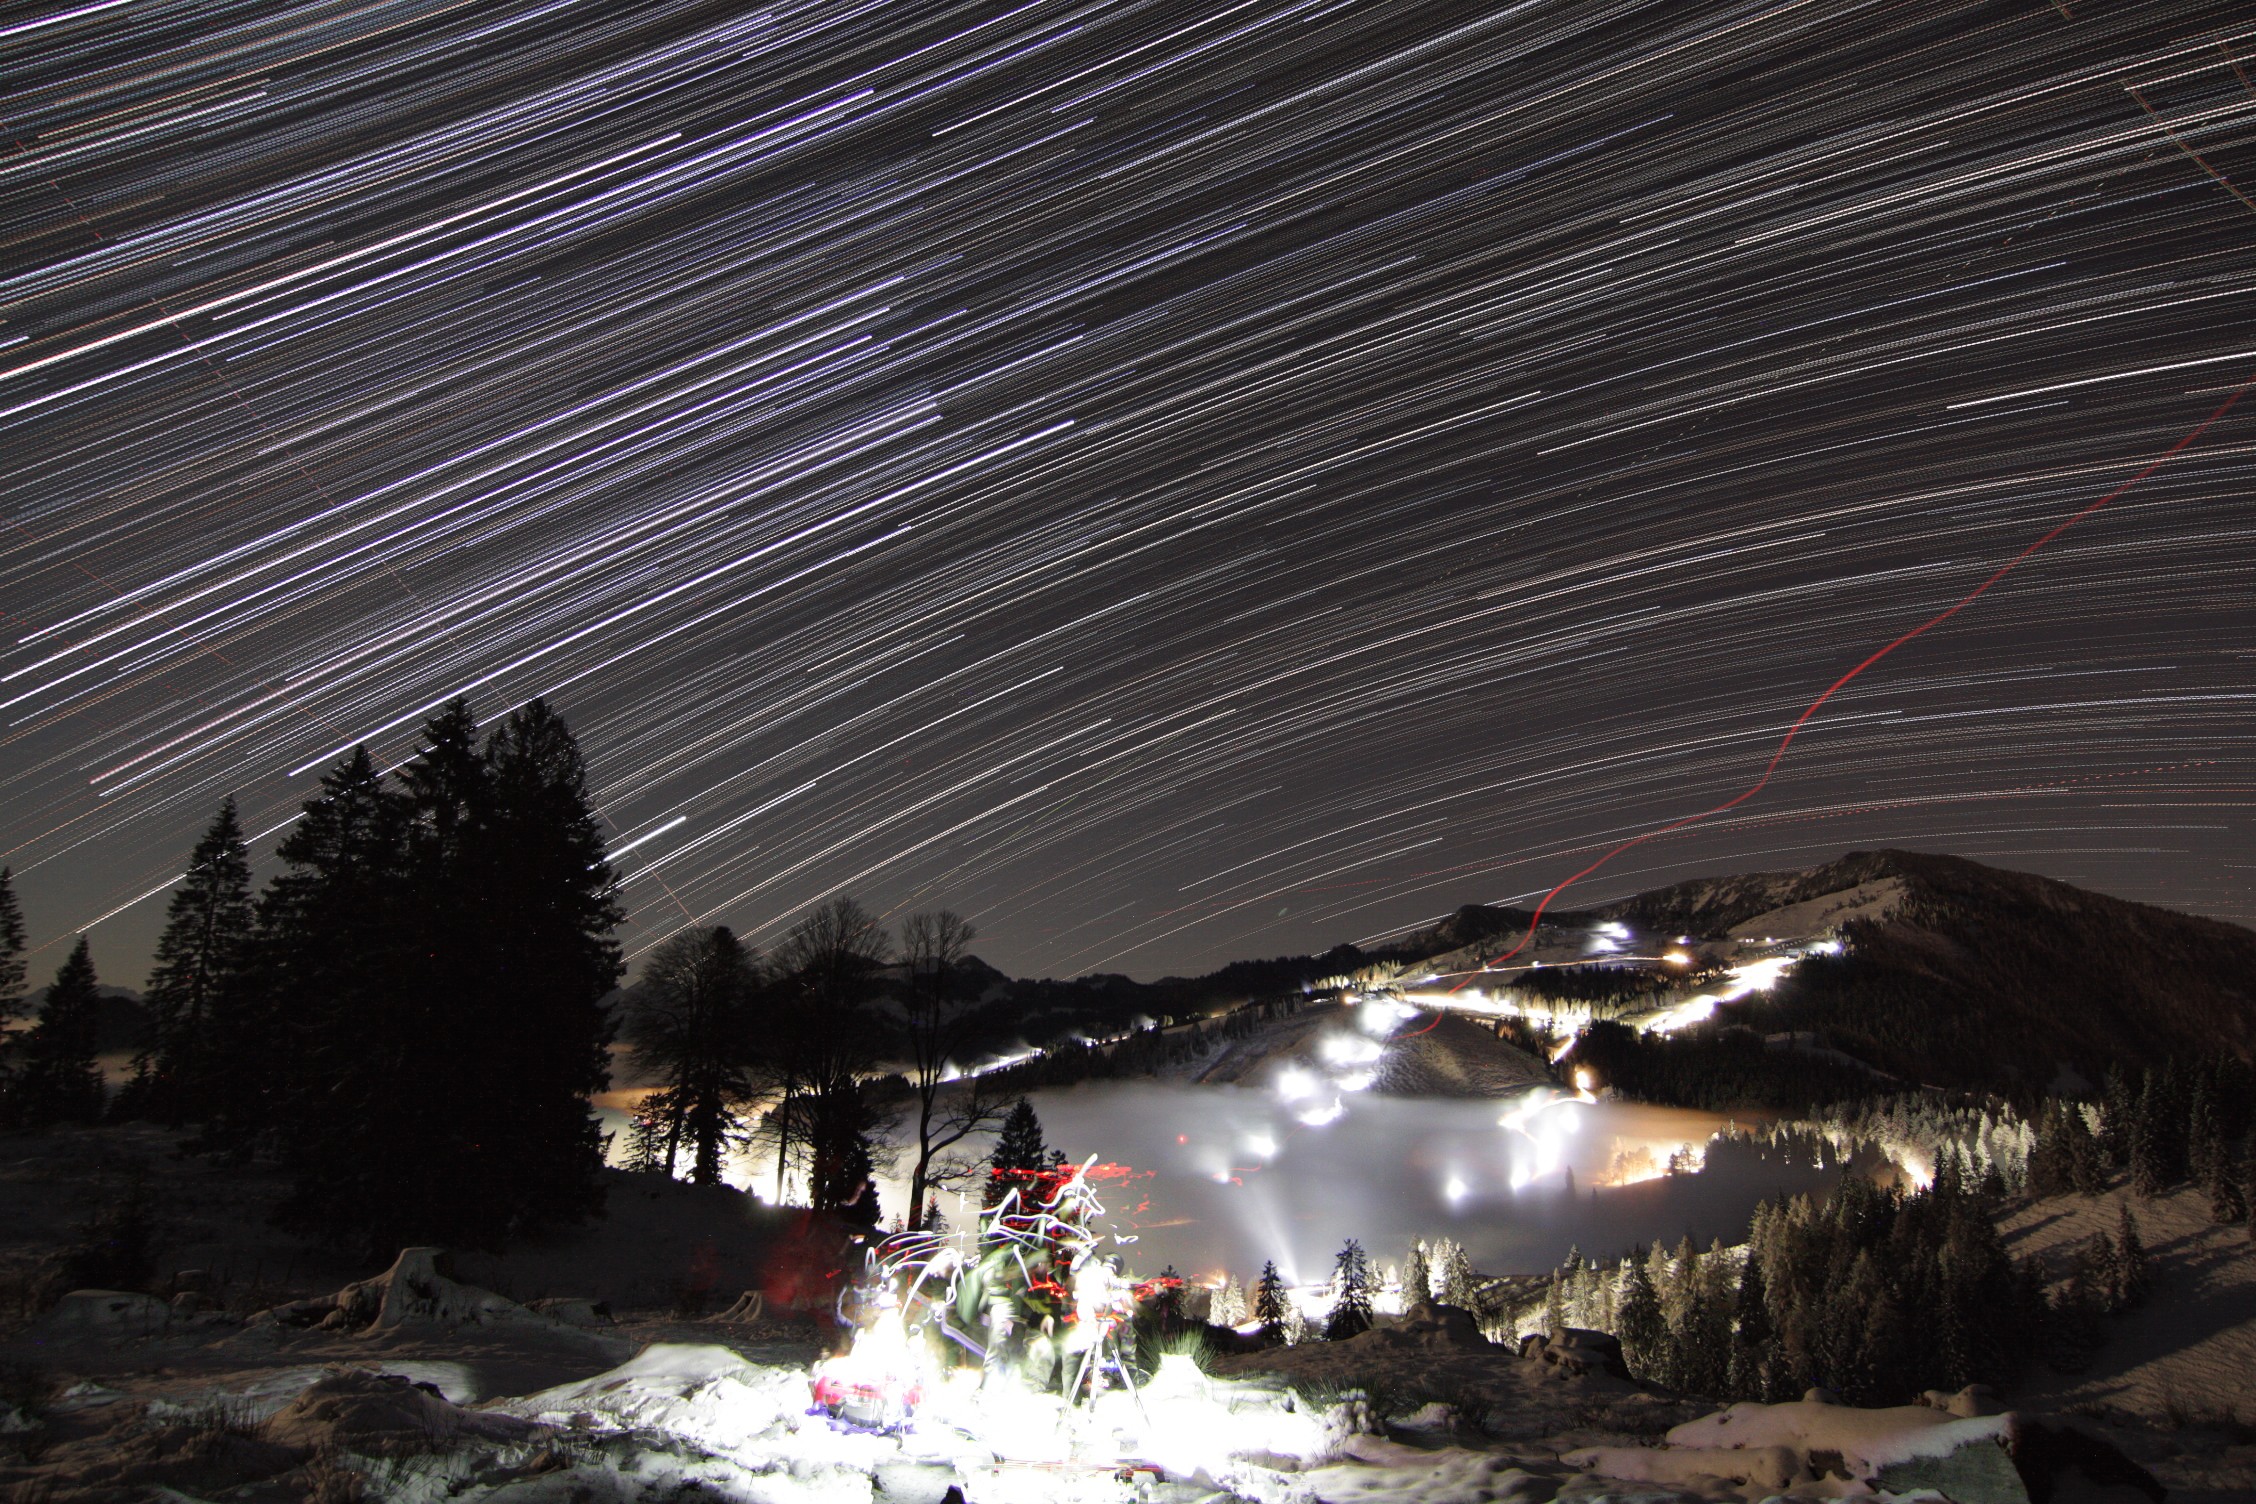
{"x": 1031, "y": 1299}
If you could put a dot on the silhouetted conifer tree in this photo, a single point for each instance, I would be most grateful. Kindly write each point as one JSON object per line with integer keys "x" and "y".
{"x": 199, "y": 963}
{"x": 1017, "y": 1156}
{"x": 1167, "y": 1301}
{"x": 12, "y": 945}
{"x": 2119, "y": 1099}
{"x": 842, "y": 1130}
{"x": 550, "y": 906}
{"x": 2132, "y": 1277}
{"x": 2073, "y": 1327}
{"x": 1270, "y": 1306}
{"x": 61, "y": 1081}
{"x": 1753, "y": 1336}
{"x": 2150, "y": 1140}
{"x": 427, "y": 981}
{"x": 2087, "y": 1165}
{"x": 328, "y": 1031}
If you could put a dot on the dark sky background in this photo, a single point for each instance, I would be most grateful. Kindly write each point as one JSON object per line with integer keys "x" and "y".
{"x": 1170, "y": 481}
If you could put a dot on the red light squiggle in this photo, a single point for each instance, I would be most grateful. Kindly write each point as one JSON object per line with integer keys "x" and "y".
{"x": 1837, "y": 685}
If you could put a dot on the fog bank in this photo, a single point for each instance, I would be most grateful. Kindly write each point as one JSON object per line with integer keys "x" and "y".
{"x": 1227, "y": 1177}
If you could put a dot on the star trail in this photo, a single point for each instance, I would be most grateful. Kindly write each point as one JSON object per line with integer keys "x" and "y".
{"x": 1169, "y": 481}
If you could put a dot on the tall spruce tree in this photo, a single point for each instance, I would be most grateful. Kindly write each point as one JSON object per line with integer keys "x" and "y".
{"x": 1270, "y": 1306}
{"x": 2087, "y": 1163}
{"x": 1351, "y": 1293}
{"x": 551, "y": 908}
{"x": 2132, "y": 1276}
{"x": 1642, "y": 1328}
{"x": 61, "y": 1080}
{"x": 1752, "y": 1332}
{"x": 2228, "y": 1203}
{"x": 1417, "y": 1275}
{"x": 1018, "y": 1156}
{"x": 12, "y": 945}
{"x": 2150, "y": 1136}
{"x": 329, "y": 1030}
{"x": 436, "y": 956}
{"x": 2118, "y": 1116}
{"x": 200, "y": 958}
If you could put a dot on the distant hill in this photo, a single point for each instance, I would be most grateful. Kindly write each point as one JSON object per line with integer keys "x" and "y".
{"x": 1952, "y": 973}
{"x": 1980, "y": 977}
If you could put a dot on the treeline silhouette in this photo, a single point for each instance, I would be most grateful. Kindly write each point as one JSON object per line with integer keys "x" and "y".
{"x": 415, "y": 1012}
{"x": 410, "y": 1015}
{"x": 2186, "y": 1121}
{"x": 1719, "y": 1067}
{"x": 779, "y": 1053}
{"x": 1873, "y": 1294}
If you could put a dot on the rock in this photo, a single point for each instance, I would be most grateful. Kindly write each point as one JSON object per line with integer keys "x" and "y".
{"x": 1967, "y": 1403}
{"x": 2049, "y": 1453}
{"x": 1975, "y": 1472}
{"x": 916, "y": 1483}
{"x": 378, "y": 1414}
{"x": 574, "y": 1310}
{"x": 1907, "y": 1448}
{"x": 1766, "y": 1469}
{"x": 190, "y": 1302}
{"x": 1576, "y": 1351}
{"x": 106, "y": 1313}
{"x": 1427, "y": 1324}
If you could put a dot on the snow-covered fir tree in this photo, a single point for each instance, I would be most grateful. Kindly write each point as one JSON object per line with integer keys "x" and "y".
{"x": 1352, "y": 1291}
{"x": 1227, "y": 1307}
{"x": 1270, "y": 1306}
{"x": 1417, "y": 1275}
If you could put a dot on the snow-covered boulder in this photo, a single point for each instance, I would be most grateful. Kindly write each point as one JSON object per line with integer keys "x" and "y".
{"x": 1429, "y": 1323}
{"x": 1895, "y": 1450}
{"x": 107, "y": 1314}
{"x": 379, "y": 1414}
{"x": 574, "y": 1310}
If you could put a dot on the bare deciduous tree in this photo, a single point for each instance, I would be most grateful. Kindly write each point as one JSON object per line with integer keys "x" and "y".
{"x": 938, "y": 1025}
{"x": 823, "y": 1035}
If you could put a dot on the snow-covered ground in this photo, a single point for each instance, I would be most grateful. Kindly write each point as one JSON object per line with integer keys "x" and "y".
{"x": 709, "y": 1419}
{"x": 2192, "y": 1346}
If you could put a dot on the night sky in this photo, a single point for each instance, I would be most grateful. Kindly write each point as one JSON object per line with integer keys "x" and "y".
{"x": 1170, "y": 481}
